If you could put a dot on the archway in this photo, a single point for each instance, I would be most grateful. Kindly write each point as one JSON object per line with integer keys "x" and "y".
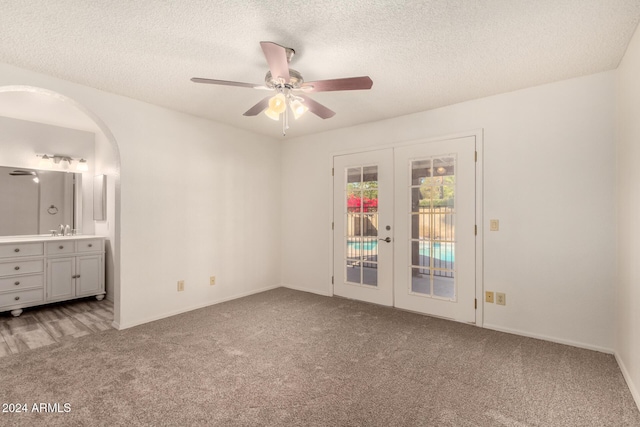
{"x": 43, "y": 105}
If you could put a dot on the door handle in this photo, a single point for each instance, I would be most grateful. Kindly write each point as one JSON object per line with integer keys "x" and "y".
{"x": 386, "y": 239}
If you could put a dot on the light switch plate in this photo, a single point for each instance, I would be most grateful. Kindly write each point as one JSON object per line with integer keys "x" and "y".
{"x": 494, "y": 224}
{"x": 501, "y": 299}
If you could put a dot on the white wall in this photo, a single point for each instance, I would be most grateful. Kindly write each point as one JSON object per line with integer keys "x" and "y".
{"x": 548, "y": 178}
{"x": 627, "y": 323}
{"x": 197, "y": 198}
{"x": 108, "y": 164}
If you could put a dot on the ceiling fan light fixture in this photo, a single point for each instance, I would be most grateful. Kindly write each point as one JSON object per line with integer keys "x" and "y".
{"x": 287, "y": 82}
{"x": 298, "y": 108}
{"x": 278, "y": 103}
{"x": 272, "y": 114}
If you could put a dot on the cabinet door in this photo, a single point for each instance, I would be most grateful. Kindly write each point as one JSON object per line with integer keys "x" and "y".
{"x": 89, "y": 275}
{"x": 60, "y": 273}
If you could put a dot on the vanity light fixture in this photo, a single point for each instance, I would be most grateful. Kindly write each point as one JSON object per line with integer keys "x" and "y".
{"x": 63, "y": 163}
{"x": 53, "y": 161}
{"x": 82, "y": 166}
{"x": 45, "y": 161}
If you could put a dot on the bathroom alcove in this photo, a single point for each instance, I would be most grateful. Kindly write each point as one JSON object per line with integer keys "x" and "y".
{"x": 43, "y": 106}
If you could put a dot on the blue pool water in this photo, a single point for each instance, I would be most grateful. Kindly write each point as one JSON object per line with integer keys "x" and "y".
{"x": 443, "y": 252}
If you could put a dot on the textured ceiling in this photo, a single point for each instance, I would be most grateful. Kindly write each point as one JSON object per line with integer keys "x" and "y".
{"x": 420, "y": 54}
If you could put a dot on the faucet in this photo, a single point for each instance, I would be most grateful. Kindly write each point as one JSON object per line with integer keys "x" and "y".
{"x": 61, "y": 230}
{"x": 65, "y": 230}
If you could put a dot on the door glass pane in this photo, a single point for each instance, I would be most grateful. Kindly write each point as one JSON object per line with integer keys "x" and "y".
{"x": 354, "y": 272}
{"x": 432, "y": 216}
{"x": 354, "y": 249}
{"x": 370, "y": 175}
{"x": 421, "y": 281}
{"x": 354, "y": 176}
{"x": 444, "y": 168}
{"x": 361, "y": 216}
{"x": 420, "y": 170}
{"x": 370, "y": 274}
{"x": 441, "y": 195}
{"x": 441, "y": 225}
{"x": 421, "y": 225}
{"x": 370, "y": 225}
{"x": 370, "y": 254}
{"x": 418, "y": 200}
{"x": 354, "y": 225}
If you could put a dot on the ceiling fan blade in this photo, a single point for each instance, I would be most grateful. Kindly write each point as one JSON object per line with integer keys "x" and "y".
{"x": 317, "y": 108}
{"x": 349, "y": 83}
{"x": 258, "y": 108}
{"x": 277, "y": 59}
{"x": 226, "y": 83}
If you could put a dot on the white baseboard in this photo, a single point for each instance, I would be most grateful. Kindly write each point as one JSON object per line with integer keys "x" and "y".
{"x": 194, "y": 307}
{"x": 312, "y": 291}
{"x": 549, "y": 338}
{"x": 627, "y": 378}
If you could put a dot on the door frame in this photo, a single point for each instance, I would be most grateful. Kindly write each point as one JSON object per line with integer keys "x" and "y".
{"x": 478, "y": 134}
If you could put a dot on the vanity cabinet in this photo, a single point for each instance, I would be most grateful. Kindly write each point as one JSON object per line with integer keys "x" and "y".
{"x": 74, "y": 277}
{"x": 51, "y": 270}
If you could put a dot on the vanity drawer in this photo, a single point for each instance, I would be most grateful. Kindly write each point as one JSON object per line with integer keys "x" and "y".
{"x": 22, "y": 282}
{"x": 13, "y": 250}
{"x": 89, "y": 245}
{"x": 21, "y": 297}
{"x": 10, "y": 268}
{"x": 61, "y": 247}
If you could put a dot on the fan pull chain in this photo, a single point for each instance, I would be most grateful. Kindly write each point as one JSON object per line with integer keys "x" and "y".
{"x": 285, "y": 120}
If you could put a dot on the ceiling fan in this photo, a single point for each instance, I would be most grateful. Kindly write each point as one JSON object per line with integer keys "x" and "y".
{"x": 290, "y": 88}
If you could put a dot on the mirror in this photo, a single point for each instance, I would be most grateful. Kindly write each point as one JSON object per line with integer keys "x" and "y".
{"x": 37, "y": 201}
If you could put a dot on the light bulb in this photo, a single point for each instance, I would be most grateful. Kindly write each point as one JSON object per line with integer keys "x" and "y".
{"x": 298, "y": 109}
{"x": 45, "y": 162}
{"x": 278, "y": 103}
{"x": 65, "y": 163}
{"x": 82, "y": 166}
{"x": 272, "y": 114}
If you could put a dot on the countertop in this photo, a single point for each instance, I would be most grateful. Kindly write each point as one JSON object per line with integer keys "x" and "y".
{"x": 46, "y": 238}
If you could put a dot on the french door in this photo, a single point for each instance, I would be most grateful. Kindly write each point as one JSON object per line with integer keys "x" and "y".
{"x": 363, "y": 220}
{"x": 404, "y": 227}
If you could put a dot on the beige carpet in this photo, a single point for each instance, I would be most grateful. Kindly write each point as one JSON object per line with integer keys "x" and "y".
{"x": 289, "y": 358}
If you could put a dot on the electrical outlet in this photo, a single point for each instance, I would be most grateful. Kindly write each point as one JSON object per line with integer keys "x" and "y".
{"x": 212, "y": 280}
{"x": 180, "y": 285}
{"x": 501, "y": 299}
{"x": 488, "y": 296}
{"x": 494, "y": 225}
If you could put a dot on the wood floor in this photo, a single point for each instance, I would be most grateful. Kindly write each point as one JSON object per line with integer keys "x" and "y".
{"x": 43, "y": 326}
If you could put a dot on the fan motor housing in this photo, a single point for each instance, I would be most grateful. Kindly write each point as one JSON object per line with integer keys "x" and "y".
{"x": 295, "y": 80}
